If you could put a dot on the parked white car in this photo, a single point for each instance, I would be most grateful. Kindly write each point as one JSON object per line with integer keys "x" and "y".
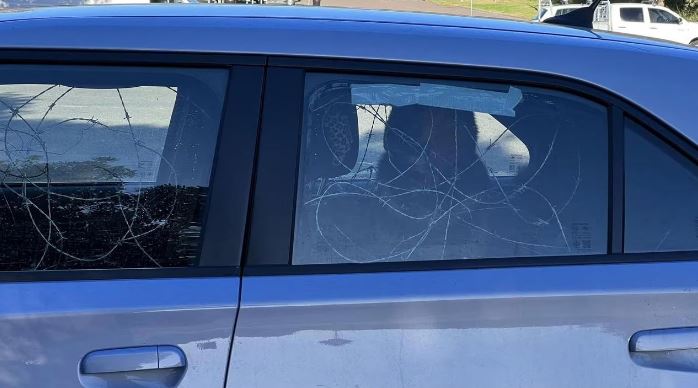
{"x": 646, "y": 20}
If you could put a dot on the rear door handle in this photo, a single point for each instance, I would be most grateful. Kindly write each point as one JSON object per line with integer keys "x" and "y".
{"x": 133, "y": 359}
{"x": 665, "y": 340}
{"x": 672, "y": 349}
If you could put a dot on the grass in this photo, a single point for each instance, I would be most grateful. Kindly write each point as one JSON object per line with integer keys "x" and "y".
{"x": 520, "y": 9}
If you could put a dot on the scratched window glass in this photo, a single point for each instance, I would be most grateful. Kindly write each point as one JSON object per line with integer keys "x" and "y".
{"x": 661, "y": 187}
{"x": 104, "y": 167}
{"x": 396, "y": 169}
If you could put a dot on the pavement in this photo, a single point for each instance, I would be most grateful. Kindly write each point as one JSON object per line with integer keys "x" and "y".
{"x": 411, "y": 5}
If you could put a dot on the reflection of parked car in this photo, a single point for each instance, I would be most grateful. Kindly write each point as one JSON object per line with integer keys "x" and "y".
{"x": 556, "y": 10}
{"x": 646, "y": 20}
{"x": 291, "y": 197}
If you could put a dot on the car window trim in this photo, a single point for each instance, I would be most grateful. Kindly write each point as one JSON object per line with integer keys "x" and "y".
{"x": 247, "y": 71}
{"x": 616, "y": 180}
{"x": 126, "y": 57}
{"x": 472, "y": 264}
{"x": 117, "y": 274}
{"x": 277, "y": 259}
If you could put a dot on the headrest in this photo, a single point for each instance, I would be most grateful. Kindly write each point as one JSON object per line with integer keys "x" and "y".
{"x": 332, "y": 131}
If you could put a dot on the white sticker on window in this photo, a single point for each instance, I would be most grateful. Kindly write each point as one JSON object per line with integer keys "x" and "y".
{"x": 441, "y": 96}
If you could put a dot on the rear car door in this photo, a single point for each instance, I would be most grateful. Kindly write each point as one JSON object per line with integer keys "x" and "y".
{"x": 631, "y": 20}
{"x": 427, "y": 226}
{"x": 124, "y": 180}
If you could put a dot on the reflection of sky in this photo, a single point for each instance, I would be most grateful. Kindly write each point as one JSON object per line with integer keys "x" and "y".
{"x": 371, "y": 131}
{"x": 149, "y": 109}
{"x": 500, "y": 150}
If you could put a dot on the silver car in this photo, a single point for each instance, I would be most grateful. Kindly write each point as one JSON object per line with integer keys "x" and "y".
{"x": 240, "y": 197}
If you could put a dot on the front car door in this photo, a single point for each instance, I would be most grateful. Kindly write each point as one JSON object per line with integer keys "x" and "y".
{"x": 421, "y": 226}
{"x": 124, "y": 194}
{"x": 666, "y": 25}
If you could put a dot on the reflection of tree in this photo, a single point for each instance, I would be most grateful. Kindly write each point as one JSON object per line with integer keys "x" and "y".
{"x": 93, "y": 226}
{"x": 34, "y": 169}
{"x": 57, "y": 213}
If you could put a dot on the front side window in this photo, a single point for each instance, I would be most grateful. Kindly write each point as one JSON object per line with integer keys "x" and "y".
{"x": 661, "y": 16}
{"x": 632, "y": 15}
{"x": 661, "y": 187}
{"x": 400, "y": 169}
{"x": 105, "y": 167}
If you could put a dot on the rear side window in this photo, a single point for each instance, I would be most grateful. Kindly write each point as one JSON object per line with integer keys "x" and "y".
{"x": 105, "y": 167}
{"x": 401, "y": 169}
{"x": 661, "y": 186}
{"x": 632, "y": 15}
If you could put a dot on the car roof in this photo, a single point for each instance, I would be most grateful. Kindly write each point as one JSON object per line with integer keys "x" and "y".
{"x": 282, "y": 12}
{"x": 627, "y": 66}
{"x": 48, "y": 15}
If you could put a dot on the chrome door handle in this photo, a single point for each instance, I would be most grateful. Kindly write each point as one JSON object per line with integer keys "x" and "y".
{"x": 670, "y": 349}
{"x": 665, "y": 340}
{"x": 132, "y": 359}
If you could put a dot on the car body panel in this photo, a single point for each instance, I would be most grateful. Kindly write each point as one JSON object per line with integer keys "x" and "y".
{"x": 565, "y": 326}
{"x": 47, "y": 327}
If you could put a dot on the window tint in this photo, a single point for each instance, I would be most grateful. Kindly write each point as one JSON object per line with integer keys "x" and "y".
{"x": 104, "y": 167}
{"x": 660, "y": 16}
{"x": 632, "y": 15}
{"x": 661, "y": 187}
{"x": 564, "y": 11}
{"x": 396, "y": 169}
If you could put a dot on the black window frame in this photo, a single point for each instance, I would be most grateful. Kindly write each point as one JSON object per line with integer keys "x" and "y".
{"x": 232, "y": 166}
{"x": 271, "y": 230}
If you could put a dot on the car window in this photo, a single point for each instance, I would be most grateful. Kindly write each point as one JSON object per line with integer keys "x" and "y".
{"x": 632, "y": 15}
{"x": 661, "y": 186}
{"x": 398, "y": 169}
{"x": 661, "y": 16}
{"x": 105, "y": 167}
{"x": 564, "y": 11}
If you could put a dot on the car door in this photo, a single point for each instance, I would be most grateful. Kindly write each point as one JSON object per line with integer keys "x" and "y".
{"x": 667, "y": 26}
{"x": 125, "y": 180}
{"x": 424, "y": 226}
{"x": 631, "y": 20}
